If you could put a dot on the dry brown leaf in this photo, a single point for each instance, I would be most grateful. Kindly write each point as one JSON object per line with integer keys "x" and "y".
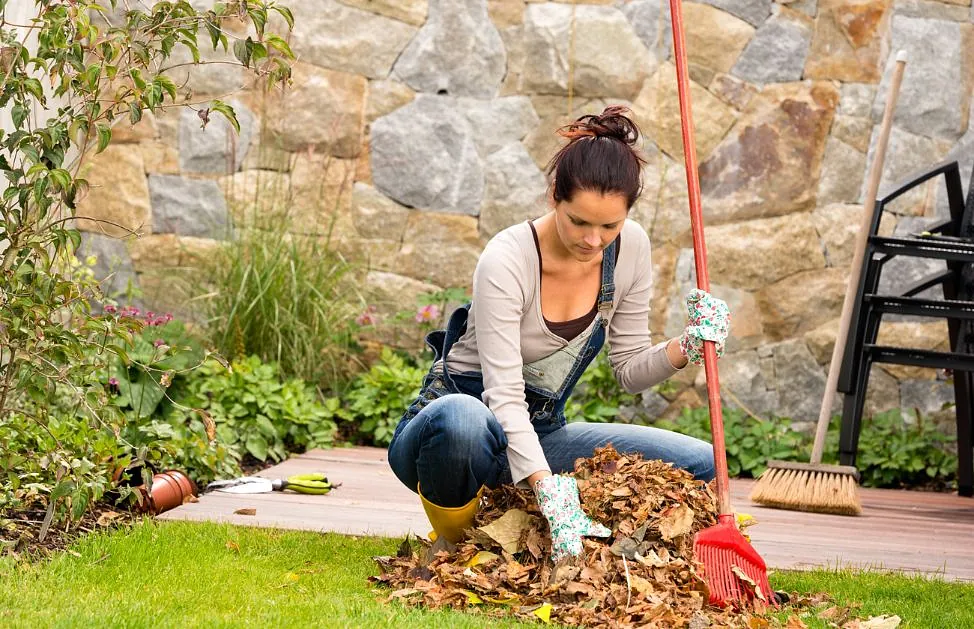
{"x": 676, "y": 521}
{"x": 248, "y": 511}
{"x": 875, "y": 622}
{"x": 794, "y": 622}
{"x": 107, "y": 517}
{"x": 509, "y": 528}
{"x": 232, "y": 545}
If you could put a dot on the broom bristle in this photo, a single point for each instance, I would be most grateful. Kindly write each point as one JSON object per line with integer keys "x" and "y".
{"x": 829, "y": 490}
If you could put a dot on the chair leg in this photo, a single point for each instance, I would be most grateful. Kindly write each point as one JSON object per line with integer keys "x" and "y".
{"x": 852, "y": 409}
{"x": 965, "y": 453}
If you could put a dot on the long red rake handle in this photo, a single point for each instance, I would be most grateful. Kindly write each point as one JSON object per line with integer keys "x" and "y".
{"x": 700, "y": 254}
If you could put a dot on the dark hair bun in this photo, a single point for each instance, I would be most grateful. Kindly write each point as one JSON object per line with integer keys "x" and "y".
{"x": 613, "y": 122}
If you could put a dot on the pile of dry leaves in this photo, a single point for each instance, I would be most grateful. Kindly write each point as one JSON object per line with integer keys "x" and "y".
{"x": 644, "y": 574}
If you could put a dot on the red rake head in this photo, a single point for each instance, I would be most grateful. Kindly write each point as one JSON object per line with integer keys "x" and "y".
{"x": 733, "y": 570}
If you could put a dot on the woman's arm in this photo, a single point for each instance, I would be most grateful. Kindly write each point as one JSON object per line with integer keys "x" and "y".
{"x": 638, "y": 363}
{"x": 499, "y": 300}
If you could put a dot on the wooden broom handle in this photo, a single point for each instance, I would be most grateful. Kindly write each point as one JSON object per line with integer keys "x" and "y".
{"x": 700, "y": 254}
{"x": 872, "y": 189}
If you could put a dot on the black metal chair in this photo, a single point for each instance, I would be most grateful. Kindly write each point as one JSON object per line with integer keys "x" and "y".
{"x": 953, "y": 242}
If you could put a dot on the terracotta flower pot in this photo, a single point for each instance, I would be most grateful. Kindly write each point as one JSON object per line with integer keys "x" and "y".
{"x": 169, "y": 489}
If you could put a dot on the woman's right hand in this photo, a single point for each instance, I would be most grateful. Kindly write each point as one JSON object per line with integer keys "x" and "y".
{"x": 558, "y": 498}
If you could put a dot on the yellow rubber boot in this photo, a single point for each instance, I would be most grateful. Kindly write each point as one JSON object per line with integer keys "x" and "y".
{"x": 450, "y": 522}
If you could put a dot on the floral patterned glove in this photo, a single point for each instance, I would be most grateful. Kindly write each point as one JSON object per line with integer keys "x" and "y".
{"x": 709, "y": 321}
{"x": 558, "y": 499}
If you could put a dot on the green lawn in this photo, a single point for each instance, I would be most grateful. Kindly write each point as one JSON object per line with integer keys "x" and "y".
{"x": 212, "y": 575}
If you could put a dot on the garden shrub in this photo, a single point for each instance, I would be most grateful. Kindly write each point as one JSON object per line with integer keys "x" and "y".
{"x": 64, "y": 432}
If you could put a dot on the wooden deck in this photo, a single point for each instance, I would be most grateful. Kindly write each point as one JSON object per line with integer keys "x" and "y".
{"x": 899, "y": 530}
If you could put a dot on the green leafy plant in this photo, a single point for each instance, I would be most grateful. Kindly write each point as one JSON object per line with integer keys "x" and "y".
{"x": 84, "y": 75}
{"x": 377, "y": 398}
{"x": 257, "y": 411}
{"x": 159, "y": 359}
{"x": 750, "y": 442}
{"x": 896, "y": 453}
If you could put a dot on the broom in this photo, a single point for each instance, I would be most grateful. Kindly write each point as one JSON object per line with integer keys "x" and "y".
{"x": 732, "y": 568}
{"x": 813, "y": 486}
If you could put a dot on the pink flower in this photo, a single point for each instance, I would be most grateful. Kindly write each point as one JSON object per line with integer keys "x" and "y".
{"x": 368, "y": 316}
{"x": 427, "y": 313}
{"x": 110, "y": 309}
{"x": 159, "y": 343}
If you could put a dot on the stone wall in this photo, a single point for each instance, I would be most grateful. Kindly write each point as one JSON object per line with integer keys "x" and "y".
{"x": 417, "y": 129}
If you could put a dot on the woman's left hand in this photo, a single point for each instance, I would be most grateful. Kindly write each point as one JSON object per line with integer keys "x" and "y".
{"x": 709, "y": 320}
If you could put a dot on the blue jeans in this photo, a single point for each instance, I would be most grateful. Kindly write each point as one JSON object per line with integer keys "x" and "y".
{"x": 455, "y": 445}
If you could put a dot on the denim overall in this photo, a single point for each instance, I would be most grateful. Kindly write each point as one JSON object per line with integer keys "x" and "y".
{"x": 549, "y": 382}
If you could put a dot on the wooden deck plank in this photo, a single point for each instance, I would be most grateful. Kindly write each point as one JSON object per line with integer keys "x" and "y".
{"x": 908, "y": 531}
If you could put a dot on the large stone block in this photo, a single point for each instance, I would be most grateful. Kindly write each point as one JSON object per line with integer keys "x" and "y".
{"x": 935, "y": 97}
{"x": 218, "y": 73}
{"x": 215, "y": 148}
{"x": 188, "y": 207}
{"x": 256, "y": 197}
{"x": 323, "y": 109}
{"x": 498, "y": 122}
{"x": 608, "y": 59}
{"x": 744, "y": 381}
{"x": 777, "y": 52}
{"x": 848, "y": 40}
{"x": 715, "y": 39}
{"x": 543, "y": 140}
{"x": 754, "y": 12}
{"x": 799, "y": 382}
{"x": 442, "y": 249}
{"x": 424, "y": 155}
{"x": 409, "y": 11}
{"x": 754, "y": 254}
{"x": 657, "y": 110}
{"x": 801, "y": 302}
{"x": 514, "y": 189}
{"x": 377, "y": 216}
{"x": 906, "y": 155}
{"x": 840, "y": 180}
{"x": 930, "y": 335}
{"x": 321, "y": 196}
{"x": 838, "y": 226}
{"x": 769, "y": 163}
{"x": 339, "y": 37}
{"x": 118, "y": 201}
{"x": 652, "y": 23}
{"x": 458, "y": 52}
{"x": 386, "y": 96}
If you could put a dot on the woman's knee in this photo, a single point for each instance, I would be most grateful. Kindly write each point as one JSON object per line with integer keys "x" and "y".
{"x": 699, "y": 461}
{"x": 458, "y": 423}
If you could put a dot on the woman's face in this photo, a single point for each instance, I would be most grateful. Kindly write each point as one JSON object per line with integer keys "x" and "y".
{"x": 589, "y": 222}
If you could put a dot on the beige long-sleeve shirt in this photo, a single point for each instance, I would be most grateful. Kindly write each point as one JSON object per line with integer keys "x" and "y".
{"x": 506, "y": 330}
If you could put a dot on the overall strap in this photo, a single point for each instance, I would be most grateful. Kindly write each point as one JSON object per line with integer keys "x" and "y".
{"x": 608, "y": 289}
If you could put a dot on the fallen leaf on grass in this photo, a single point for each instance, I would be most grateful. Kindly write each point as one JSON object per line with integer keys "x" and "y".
{"x": 190, "y": 498}
{"x": 232, "y": 545}
{"x": 544, "y": 612}
{"x": 874, "y": 622}
{"x": 107, "y": 517}
{"x": 794, "y": 622}
{"x": 246, "y": 512}
{"x": 509, "y": 529}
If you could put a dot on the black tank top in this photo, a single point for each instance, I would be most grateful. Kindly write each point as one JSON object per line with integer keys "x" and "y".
{"x": 568, "y": 330}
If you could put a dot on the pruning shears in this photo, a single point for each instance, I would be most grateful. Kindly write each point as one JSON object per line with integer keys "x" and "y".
{"x": 313, "y": 483}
